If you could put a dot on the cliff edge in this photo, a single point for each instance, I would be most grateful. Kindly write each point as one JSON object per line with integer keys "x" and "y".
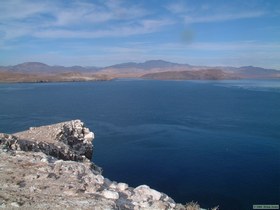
{"x": 49, "y": 167}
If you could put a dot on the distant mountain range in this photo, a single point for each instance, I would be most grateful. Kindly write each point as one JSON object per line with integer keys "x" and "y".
{"x": 36, "y": 67}
{"x": 40, "y": 72}
{"x": 152, "y": 69}
{"x": 151, "y": 64}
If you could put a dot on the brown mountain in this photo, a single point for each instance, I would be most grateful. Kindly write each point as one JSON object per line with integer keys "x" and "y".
{"x": 257, "y": 72}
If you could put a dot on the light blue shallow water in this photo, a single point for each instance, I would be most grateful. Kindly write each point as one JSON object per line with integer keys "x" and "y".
{"x": 208, "y": 141}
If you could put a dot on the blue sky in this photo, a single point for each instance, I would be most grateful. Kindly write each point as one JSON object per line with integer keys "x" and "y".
{"x": 102, "y": 33}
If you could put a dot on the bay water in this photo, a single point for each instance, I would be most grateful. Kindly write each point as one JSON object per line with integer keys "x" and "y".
{"x": 215, "y": 142}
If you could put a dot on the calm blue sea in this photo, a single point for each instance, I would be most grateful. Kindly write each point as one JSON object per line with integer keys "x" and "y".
{"x": 215, "y": 142}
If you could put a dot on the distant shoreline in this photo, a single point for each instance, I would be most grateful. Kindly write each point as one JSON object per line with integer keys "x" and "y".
{"x": 131, "y": 78}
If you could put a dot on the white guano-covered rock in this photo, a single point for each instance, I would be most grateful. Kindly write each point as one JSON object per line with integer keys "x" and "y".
{"x": 89, "y": 136}
{"x": 144, "y": 192}
{"x": 99, "y": 179}
{"x": 110, "y": 194}
{"x": 122, "y": 186}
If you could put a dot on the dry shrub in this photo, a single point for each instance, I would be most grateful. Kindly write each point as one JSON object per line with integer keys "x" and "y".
{"x": 192, "y": 206}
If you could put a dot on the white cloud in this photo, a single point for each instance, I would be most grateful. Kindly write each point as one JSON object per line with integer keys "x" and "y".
{"x": 178, "y": 7}
{"x": 221, "y": 17}
{"x": 77, "y": 19}
{"x": 251, "y": 47}
{"x": 205, "y": 13}
{"x": 18, "y": 9}
{"x": 84, "y": 13}
{"x": 141, "y": 27}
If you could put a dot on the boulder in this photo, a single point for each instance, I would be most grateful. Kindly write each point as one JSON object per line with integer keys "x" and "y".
{"x": 110, "y": 194}
{"x": 122, "y": 186}
{"x": 144, "y": 192}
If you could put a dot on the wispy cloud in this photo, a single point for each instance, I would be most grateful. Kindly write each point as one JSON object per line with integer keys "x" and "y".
{"x": 86, "y": 13}
{"x": 19, "y": 9}
{"x": 221, "y": 17}
{"x": 141, "y": 27}
{"x": 77, "y": 19}
{"x": 206, "y": 13}
{"x": 178, "y": 7}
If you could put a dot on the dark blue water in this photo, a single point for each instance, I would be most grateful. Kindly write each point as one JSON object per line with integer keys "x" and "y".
{"x": 217, "y": 143}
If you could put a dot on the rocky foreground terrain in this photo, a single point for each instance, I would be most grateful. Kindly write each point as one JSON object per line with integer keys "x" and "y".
{"x": 49, "y": 167}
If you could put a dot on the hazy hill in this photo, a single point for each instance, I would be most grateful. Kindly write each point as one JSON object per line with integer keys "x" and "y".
{"x": 252, "y": 71}
{"x": 172, "y": 70}
{"x": 209, "y": 74}
{"x": 133, "y": 69}
{"x": 216, "y": 74}
{"x": 41, "y": 68}
{"x": 151, "y": 64}
{"x": 40, "y": 72}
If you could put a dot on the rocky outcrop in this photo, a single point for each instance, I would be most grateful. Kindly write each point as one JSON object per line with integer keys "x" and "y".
{"x": 49, "y": 167}
{"x": 67, "y": 141}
